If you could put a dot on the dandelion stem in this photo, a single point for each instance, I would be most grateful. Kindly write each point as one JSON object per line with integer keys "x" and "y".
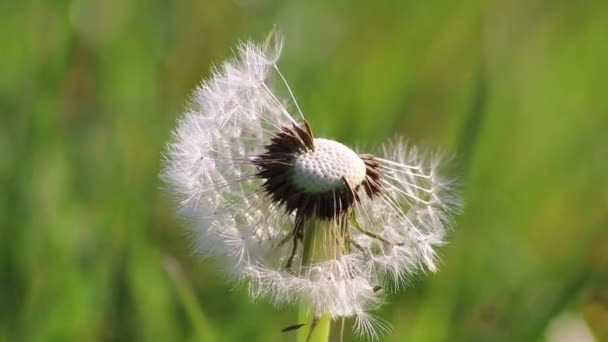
{"x": 319, "y": 327}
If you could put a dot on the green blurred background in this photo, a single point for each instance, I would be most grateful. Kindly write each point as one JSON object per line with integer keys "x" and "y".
{"x": 90, "y": 90}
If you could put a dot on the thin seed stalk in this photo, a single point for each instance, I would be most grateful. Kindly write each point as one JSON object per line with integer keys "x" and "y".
{"x": 316, "y": 328}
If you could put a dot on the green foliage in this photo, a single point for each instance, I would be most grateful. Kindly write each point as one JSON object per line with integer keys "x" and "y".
{"x": 90, "y": 90}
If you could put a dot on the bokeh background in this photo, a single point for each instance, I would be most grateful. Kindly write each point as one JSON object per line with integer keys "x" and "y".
{"x": 516, "y": 90}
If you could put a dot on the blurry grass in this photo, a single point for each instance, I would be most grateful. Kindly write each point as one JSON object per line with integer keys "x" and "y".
{"x": 202, "y": 328}
{"x": 89, "y": 248}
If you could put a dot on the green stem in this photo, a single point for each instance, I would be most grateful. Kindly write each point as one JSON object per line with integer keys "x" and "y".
{"x": 316, "y": 328}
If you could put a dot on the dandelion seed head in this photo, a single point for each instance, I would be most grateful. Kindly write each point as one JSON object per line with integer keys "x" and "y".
{"x": 303, "y": 220}
{"x": 327, "y": 166}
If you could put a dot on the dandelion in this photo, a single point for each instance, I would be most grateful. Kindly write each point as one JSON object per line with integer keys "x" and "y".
{"x": 301, "y": 219}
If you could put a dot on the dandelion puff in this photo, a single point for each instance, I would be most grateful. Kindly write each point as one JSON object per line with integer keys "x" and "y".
{"x": 303, "y": 220}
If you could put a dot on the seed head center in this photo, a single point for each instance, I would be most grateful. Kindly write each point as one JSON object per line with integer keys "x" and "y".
{"x": 323, "y": 169}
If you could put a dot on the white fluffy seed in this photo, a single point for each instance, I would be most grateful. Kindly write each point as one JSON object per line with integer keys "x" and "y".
{"x": 322, "y": 170}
